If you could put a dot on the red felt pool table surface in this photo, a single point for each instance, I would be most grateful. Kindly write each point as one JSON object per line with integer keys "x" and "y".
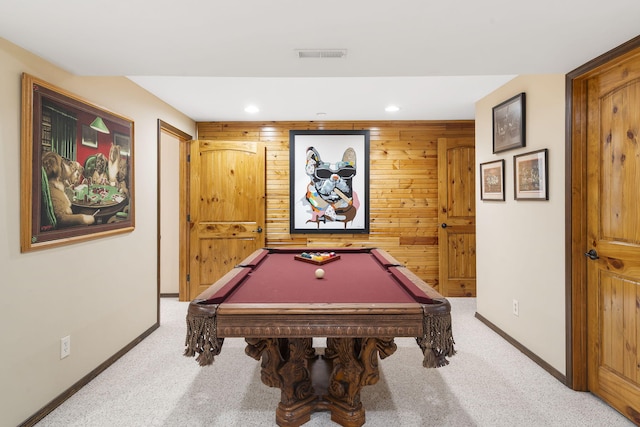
{"x": 354, "y": 278}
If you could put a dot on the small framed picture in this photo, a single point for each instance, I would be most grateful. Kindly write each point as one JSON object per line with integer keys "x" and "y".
{"x": 509, "y": 124}
{"x": 89, "y": 136}
{"x": 531, "y": 176}
{"x": 492, "y": 180}
{"x": 124, "y": 142}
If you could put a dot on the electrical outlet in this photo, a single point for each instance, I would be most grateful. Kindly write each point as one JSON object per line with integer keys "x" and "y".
{"x": 65, "y": 346}
{"x": 516, "y": 308}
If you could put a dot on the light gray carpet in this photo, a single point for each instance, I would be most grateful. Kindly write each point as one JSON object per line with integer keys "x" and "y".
{"x": 488, "y": 383}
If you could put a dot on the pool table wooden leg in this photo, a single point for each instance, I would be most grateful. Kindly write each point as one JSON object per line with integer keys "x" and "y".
{"x": 355, "y": 365}
{"x": 285, "y": 365}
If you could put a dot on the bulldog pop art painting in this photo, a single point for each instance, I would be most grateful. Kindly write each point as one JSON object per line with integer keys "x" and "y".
{"x": 329, "y": 181}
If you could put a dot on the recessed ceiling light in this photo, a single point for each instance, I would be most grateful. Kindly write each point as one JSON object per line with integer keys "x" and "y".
{"x": 392, "y": 108}
{"x": 321, "y": 114}
{"x": 251, "y": 109}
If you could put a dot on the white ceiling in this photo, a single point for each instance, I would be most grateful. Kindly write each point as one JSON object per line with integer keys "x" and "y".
{"x": 209, "y": 59}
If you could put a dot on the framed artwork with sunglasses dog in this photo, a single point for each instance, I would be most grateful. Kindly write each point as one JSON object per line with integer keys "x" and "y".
{"x": 329, "y": 181}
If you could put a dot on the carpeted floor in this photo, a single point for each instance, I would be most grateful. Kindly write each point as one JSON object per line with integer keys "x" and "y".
{"x": 488, "y": 383}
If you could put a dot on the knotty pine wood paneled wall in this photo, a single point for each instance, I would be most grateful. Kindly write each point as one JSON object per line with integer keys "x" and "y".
{"x": 403, "y": 185}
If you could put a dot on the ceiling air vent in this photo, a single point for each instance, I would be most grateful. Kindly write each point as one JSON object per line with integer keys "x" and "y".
{"x": 321, "y": 53}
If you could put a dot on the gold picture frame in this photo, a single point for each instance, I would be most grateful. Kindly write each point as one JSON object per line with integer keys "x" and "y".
{"x": 73, "y": 188}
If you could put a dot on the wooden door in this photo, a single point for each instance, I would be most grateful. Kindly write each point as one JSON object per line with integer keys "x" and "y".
{"x": 613, "y": 236}
{"x": 457, "y": 217}
{"x": 226, "y": 208}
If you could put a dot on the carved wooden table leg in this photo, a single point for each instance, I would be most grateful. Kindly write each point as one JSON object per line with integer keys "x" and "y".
{"x": 284, "y": 365}
{"x": 355, "y": 364}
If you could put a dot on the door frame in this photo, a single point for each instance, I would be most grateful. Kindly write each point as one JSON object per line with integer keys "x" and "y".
{"x": 184, "y": 139}
{"x": 575, "y": 205}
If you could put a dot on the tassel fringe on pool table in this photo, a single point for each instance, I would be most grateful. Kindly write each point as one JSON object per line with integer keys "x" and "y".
{"x": 437, "y": 342}
{"x": 202, "y": 338}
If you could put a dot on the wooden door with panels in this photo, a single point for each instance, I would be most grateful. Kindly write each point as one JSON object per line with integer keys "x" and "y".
{"x": 226, "y": 212}
{"x": 613, "y": 234}
{"x": 457, "y": 217}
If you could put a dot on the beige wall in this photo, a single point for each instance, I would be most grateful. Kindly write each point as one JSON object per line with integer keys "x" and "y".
{"x": 49, "y": 294}
{"x": 521, "y": 244}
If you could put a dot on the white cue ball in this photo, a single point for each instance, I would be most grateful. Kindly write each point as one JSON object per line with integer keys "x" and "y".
{"x": 319, "y": 273}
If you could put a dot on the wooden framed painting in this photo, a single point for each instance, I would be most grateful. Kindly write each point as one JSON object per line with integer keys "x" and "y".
{"x": 509, "y": 124}
{"x": 329, "y": 181}
{"x": 76, "y": 178}
{"x": 492, "y": 180}
{"x": 531, "y": 176}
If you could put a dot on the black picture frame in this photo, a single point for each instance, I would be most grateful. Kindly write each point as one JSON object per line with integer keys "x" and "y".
{"x": 509, "y": 124}
{"x": 492, "y": 180}
{"x": 531, "y": 175}
{"x": 318, "y": 202}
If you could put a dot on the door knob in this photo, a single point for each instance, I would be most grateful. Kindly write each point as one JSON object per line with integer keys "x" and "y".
{"x": 258, "y": 230}
{"x": 444, "y": 225}
{"x": 592, "y": 254}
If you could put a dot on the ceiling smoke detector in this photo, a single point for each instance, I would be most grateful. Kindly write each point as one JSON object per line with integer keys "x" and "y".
{"x": 321, "y": 53}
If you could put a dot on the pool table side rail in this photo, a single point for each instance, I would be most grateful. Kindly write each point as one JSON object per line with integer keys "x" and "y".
{"x": 222, "y": 287}
{"x": 325, "y": 308}
{"x": 428, "y": 290}
{"x": 385, "y": 258}
{"x": 320, "y": 325}
{"x": 255, "y": 258}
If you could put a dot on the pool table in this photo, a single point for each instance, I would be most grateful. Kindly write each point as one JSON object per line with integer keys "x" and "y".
{"x": 274, "y": 300}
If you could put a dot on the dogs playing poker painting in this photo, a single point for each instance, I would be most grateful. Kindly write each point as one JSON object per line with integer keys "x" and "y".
{"x": 77, "y": 163}
{"x": 329, "y": 181}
